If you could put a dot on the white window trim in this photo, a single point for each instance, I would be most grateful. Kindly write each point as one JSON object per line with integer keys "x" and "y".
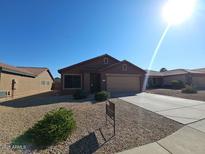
{"x": 123, "y": 67}
{"x": 105, "y": 60}
{"x": 72, "y": 88}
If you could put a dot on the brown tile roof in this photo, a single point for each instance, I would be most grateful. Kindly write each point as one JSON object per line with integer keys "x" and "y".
{"x": 199, "y": 70}
{"x": 176, "y": 72}
{"x": 34, "y": 70}
{"x": 154, "y": 73}
{"x": 86, "y": 61}
{"x": 14, "y": 69}
{"x": 27, "y": 71}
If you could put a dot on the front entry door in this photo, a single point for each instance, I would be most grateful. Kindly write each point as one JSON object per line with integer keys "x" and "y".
{"x": 94, "y": 82}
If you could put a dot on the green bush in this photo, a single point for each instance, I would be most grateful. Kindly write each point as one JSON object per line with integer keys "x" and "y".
{"x": 79, "y": 94}
{"x": 56, "y": 126}
{"x": 177, "y": 84}
{"x": 102, "y": 96}
{"x": 189, "y": 90}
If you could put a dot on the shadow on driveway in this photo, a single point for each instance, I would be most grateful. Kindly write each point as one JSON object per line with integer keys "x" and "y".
{"x": 43, "y": 99}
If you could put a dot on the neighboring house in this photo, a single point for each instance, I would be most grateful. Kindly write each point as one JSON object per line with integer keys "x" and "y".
{"x": 16, "y": 82}
{"x": 195, "y": 77}
{"x": 102, "y": 73}
{"x": 155, "y": 79}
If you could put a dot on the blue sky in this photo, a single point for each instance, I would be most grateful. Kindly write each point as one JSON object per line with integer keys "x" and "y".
{"x": 56, "y": 34}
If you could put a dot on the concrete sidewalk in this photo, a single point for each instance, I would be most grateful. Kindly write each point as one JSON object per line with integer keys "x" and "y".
{"x": 188, "y": 140}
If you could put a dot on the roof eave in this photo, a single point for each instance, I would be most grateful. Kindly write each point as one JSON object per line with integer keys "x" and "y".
{"x": 109, "y": 67}
{"x": 16, "y": 72}
{"x": 50, "y": 74}
{"x": 135, "y": 66}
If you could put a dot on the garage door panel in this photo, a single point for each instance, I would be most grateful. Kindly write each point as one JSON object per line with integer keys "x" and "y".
{"x": 123, "y": 83}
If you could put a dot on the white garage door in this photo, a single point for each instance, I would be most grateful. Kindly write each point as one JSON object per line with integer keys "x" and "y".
{"x": 123, "y": 83}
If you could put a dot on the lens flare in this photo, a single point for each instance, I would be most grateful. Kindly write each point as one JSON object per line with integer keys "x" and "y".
{"x": 174, "y": 12}
{"x": 177, "y": 11}
{"x": 154, "y": 56}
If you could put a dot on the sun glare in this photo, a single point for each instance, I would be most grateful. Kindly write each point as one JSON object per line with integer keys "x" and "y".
{"x": 177, "y": 11}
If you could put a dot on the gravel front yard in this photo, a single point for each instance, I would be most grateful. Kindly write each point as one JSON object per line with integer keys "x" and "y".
{"x": 134, "y": 127}
{"x": 177, "y": 93}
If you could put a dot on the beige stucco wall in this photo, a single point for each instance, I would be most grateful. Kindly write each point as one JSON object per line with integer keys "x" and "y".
{"x": 199, "y": 82}
{"x": 167, "y": 79}
{"x": 25, "y": 86}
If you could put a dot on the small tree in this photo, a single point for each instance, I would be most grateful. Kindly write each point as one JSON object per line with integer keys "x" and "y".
{"x": 189, "y": 89}
{"x": 102, "y": 96}
{"x": 163, "y": 70}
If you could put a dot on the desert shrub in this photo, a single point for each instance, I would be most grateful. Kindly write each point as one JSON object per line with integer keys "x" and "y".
{"x": 177, "y": 84}
{"x": 56, "y": 126}
{"x": 189, "y": 90}
{"x": 102, "y": 96}
{"x": 79, "y": 94}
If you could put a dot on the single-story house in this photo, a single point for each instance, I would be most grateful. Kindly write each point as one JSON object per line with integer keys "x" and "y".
{"x": 102, "y": 73}
{"x": 195, "y": 77}
{"x": 16, "y": 82}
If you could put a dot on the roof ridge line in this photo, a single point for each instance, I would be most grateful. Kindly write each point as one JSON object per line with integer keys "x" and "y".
{"x": 30, "y": 67}
{"x": 82, "y": 62}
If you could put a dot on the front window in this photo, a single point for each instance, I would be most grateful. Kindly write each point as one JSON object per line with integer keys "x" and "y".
{"x": 72, "y": 81}
{"x": 43, "y": 83}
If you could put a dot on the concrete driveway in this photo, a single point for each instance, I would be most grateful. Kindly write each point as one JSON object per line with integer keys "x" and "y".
{"x": 181, "y": 110}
